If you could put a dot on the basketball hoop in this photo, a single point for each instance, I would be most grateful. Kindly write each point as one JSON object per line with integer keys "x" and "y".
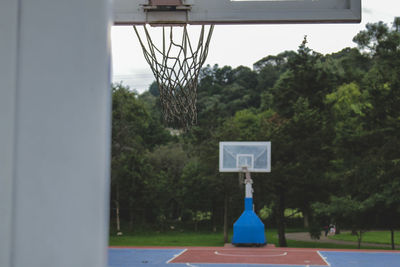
{"x": 176, "y": 65}
{"x": 246, "y": 157}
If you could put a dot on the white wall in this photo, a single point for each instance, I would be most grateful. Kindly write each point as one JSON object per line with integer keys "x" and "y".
{"x": 55, "y": 109}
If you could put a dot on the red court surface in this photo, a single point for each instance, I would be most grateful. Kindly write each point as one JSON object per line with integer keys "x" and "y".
{"x": 266, "y": 255}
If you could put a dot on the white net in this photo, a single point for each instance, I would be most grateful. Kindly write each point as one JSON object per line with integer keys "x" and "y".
{"x": 176, "y": 64}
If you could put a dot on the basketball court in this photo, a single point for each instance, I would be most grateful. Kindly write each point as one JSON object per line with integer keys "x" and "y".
{"x": 239, "y": 257}
{"x": 177, "y": 76}
{"x": 55, "y": 107}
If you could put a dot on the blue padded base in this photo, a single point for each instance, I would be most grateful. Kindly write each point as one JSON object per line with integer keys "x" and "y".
{"x": 248, "y": 229}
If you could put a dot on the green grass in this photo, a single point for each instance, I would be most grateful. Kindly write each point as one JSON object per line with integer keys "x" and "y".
{"x": 168, "y": 239}
{"x": 378, "y": 237}
{"x": 176, "y": 238}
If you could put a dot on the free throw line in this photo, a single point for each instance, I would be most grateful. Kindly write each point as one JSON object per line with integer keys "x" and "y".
{"x": 247, "y": 255}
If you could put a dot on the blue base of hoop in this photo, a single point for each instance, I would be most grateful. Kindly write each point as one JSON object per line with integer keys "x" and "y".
{"x": 248, "y": 229}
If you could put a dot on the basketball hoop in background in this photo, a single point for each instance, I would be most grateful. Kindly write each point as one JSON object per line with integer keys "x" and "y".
{"x": 246, "y": 157}
{"x": 176, "y": 64}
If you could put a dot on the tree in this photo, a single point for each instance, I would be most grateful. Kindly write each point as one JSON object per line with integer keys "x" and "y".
{"x": 387, "y": 201}
{"x": 134, "y": 132}
{"x": 348, "y": 66}
{"x": 382, "y": 120}
{"x": 366, "y": 125}
{"x": 167, "y": 163}
{"x": 154, "y": 90}
{"x": 130, "y": 122}
{"x": 305, "y": 78}
{"x": 299, "y": 134}
{"x": 197, "y": 191}
{"x": 349, "y": 212}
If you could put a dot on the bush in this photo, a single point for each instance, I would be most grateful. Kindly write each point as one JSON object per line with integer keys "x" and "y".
{"x": 315, "y": 232}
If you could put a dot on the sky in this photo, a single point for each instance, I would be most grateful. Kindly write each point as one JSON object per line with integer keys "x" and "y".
{"x": 246, "y": 44}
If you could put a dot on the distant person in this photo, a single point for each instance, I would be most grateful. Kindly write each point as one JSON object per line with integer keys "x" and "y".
{"x": 326, "y": 228}
{"x": 333, "y": 230}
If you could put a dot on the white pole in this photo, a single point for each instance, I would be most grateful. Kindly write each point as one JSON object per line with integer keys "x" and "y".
{"x": 248, "y": 190}
{"x": 249, "y": 187}
{"x": 55, "y": 107}
{"x": 8, "y": 65}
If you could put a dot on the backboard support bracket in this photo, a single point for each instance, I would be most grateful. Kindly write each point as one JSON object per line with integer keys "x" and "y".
{"x": 166, "y": 12}
{"x": 225, "y": 12}
{"x": 169, "y": 5}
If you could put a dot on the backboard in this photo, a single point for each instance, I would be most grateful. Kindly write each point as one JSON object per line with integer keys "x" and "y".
{"x": 255, "y": 156}
{"x": 134, "y": 12}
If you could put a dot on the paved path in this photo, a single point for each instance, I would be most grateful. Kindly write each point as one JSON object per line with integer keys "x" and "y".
{"x": 306, "y": 237}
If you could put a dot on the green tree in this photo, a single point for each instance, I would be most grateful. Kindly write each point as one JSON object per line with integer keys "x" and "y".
{"x": 154, "y": 90}
{"x": 300, "y": 135}
{"x": 382, "y": 120}
{"x": 167, "y": 163}
{"x": 366, "y": 124}
{"x": 306, "y": 78}
{"x": 197, "y": 191}
{"x": 350, "y": 212}
{"x": 129, "y": 123}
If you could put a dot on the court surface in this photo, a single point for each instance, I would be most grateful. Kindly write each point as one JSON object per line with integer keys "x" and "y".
{"x": 254, "y": 257}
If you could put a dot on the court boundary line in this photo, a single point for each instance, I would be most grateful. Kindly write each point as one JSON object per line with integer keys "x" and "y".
{"x": 365, "y": 251}
{"x": 176, "y": 256}
{"x": 323, "y": 258}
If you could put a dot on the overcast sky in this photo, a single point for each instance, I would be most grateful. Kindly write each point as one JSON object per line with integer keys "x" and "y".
{"x": 244, "y": 45}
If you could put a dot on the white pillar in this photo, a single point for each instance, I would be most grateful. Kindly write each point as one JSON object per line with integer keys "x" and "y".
{"x": 55, "y": 108}
{"x": 8, "y": 65}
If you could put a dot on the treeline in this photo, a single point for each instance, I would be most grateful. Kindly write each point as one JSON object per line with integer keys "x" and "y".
{"x": 333, "y": 121}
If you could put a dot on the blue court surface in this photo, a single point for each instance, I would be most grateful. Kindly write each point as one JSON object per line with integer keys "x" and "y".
{"x": 132, "y": 257}
{"x": 140, "y": 257}
{"x": 362, "y": 259}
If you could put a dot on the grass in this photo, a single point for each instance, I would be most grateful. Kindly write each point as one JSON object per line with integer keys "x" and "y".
{"x": 378, "y": 237}
{"x": 185, "y": 239}
{"x": 304, "y": 244}
{"x": 176, "y": 238}
{"x": 168, "y": 239}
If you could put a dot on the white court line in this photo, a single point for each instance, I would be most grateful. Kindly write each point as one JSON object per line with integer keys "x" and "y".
{"x": 190, "y": 265}
{"x": 270, "y": 249}
{"x": 262, "y": 249}
{"x": 177, "y": 255}
{"x": 242, "y": 255}
{"x": 324, "y": 258}
{"x": 364, "y": 251}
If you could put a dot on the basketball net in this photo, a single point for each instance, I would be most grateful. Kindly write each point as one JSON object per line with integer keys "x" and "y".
{"x": 176, "y": 65}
